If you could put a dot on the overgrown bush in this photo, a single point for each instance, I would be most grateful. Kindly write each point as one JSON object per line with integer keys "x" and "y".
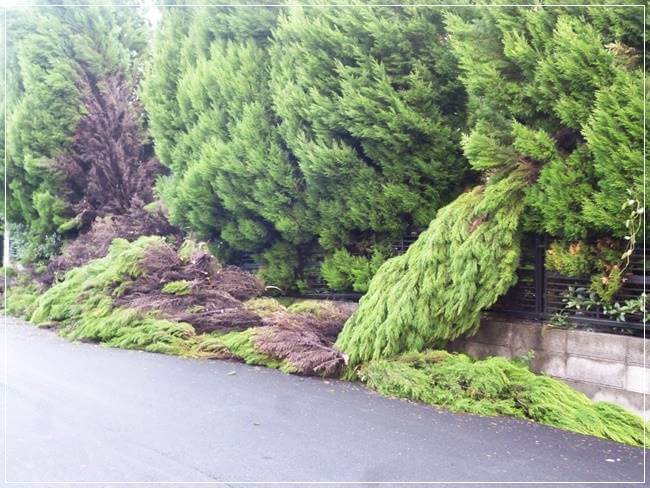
{"x": 270, "y": 158}
{"x": 562, "y": 88}
{"x": 343, "y": 271}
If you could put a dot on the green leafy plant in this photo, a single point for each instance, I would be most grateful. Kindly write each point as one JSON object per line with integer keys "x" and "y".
{"x": 343, "y": 271}
{"x": 575, "y": 259}
{"x": 583, "y": 299}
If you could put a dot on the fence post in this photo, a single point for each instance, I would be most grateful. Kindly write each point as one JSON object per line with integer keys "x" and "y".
{"x": 540, "y": 276}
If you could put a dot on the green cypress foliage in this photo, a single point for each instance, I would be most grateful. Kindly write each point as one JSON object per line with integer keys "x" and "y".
{"x": 435, "y": 291}
{"x": 560, "y": 87}
{"x": 284, "y": 127}
{"x": 232, "y": 180}
{"x": 499, "y": 386}
{"x": 50, "y": 50}
{"x": 550, "y": 90}
{"x": 370, "y": 104}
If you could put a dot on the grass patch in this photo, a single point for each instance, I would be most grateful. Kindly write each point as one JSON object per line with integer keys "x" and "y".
{"x": 498, "y": 386}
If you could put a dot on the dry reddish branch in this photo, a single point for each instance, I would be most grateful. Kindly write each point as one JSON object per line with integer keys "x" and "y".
{"x": 213, "y": 301}
{"x": 94, "y": 243}
{"x": 109, "y": 163}
{"x": 305, "y": 340}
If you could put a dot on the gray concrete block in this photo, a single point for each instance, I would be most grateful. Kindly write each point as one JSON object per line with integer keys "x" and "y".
{"x": 550, "y": 364}
{"x": 493, "y": 332}
{"x": 525, "y": 338}
{"x": 635, "y": 350}
{"x": 553, "y": 339}
{"x": 637, "y": 379}
{"x": 479, "y": 350}
{"x": 595, "y": 345}
{"x": 606, "y": 373}
{"x": 589, "y": 389}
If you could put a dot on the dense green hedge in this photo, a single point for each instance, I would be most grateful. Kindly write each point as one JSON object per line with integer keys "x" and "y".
{"x": 290, "y": 129}
{"x": 341, "y": 127}
{"x": 562, "y": 89}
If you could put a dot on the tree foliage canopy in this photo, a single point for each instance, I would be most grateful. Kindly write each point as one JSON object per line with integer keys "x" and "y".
{"x": 562, "y": 87}
{"x": 284, "y": 128}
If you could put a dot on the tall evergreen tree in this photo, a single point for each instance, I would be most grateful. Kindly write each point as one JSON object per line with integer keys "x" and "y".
{"x": 232, "y": 181}
{"x": 560, "y": 86}
{"x": 58, "y": 56}
{"x": 371, "y": 107}
{"x": 367, "y": 106}
{"x": 555, "y": 106}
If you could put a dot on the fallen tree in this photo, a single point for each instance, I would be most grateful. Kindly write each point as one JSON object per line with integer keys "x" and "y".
{"x": 158, "y": 296}
{"x": 436, "y": 291}
{"x": 499, "y": 386}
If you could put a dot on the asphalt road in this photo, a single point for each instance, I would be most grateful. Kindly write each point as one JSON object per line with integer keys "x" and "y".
{"x": 85, "y": 413}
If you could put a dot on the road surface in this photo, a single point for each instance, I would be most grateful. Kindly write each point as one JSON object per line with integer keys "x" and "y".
{"x": 86, "y": 413}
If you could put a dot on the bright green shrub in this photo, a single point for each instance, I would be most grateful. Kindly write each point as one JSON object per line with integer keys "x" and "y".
{"x": 367, "y": 98}
{"x": 608, "y": 285}
{"x": 436, "y": 291}
{"x": 498, "y": 386}
{"x": 232, "y": 180}
{"x": 575, "y": 260}
{"x": 560, "y": 88}
{"x": 268, "y": 160}
{"x": 83, "y": 304}
{"x": 344, "y": 272}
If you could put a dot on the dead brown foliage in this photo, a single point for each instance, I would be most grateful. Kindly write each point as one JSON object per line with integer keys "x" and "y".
{"x": 95, "y": 242}
{"x": 109, "y": 162}
{"x": 214, "y": 298}
{"x": 305, "y": 340}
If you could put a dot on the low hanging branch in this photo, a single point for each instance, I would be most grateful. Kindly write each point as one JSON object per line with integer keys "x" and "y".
{"x": 435, "y": 291}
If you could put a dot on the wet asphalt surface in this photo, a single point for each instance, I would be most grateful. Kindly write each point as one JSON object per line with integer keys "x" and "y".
{"x": 90, "y": 414}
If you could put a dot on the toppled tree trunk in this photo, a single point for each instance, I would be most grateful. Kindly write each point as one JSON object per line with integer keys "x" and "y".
{"x": 435, "y": 291}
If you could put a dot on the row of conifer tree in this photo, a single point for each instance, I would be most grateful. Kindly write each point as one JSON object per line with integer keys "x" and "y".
{"x": 279, "y": 133}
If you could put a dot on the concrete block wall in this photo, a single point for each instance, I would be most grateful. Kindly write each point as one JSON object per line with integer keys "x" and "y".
{"x": 606, "y": 367}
